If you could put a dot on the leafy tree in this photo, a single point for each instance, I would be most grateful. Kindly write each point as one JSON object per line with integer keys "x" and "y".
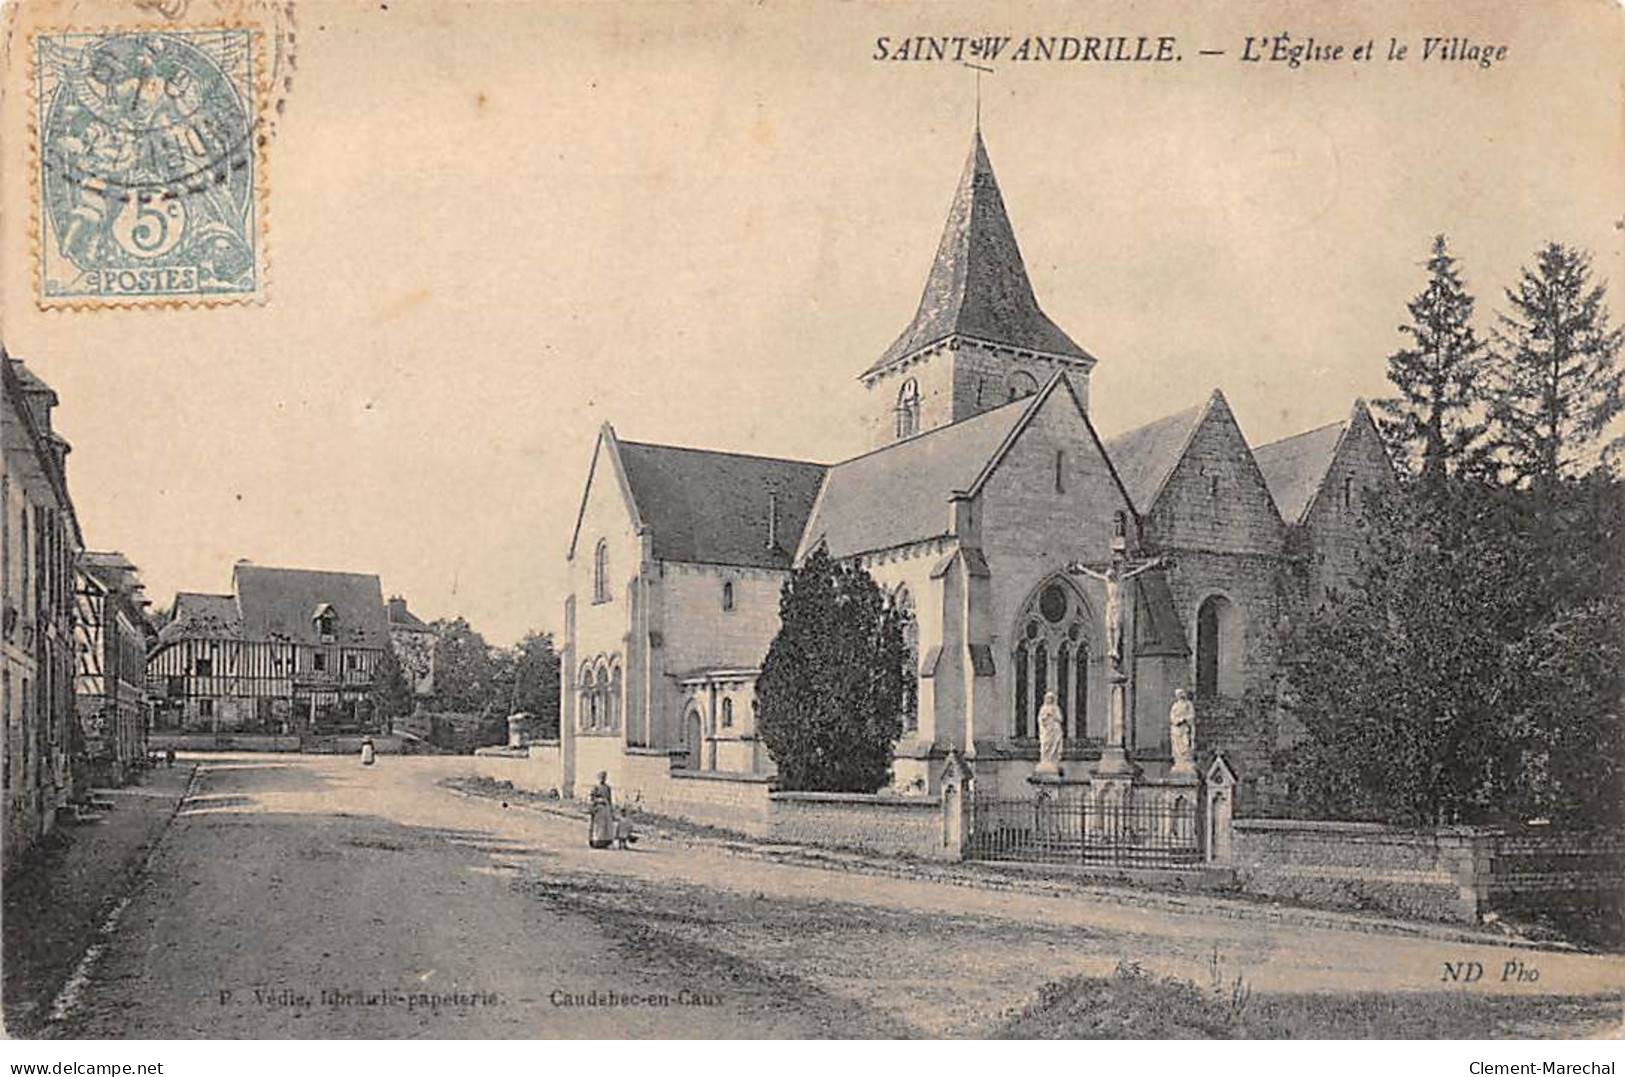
{"x": 1555, "y": 386}
{"x": 464, "y": 672}
{"x": 835, "y": 684}
{"x": 1430, "y": 423}
{"x": 1467, "y": 675}
{"x": 1400, "y": 680}
{"x": 527, "y": 679}
{"x": 391, "y": 694}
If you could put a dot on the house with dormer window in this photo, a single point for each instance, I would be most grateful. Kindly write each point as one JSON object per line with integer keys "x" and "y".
{"x": 286, "y": 652}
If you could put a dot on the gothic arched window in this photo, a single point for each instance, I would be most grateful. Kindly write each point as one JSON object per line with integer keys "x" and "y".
{"x": 903, "y": 602}
{"x": 908, "y": 409}
{"x": 1052, "y": 655}
{"x": 1218, "y": 647}
{"x": 727, "y": 595}
{"x": 727, "y": 713}
{"x": 600, "y": 572}
{"x": 586, "y": 717}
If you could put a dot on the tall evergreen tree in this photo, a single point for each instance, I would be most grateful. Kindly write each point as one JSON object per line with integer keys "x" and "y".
{"x": 1555, "y": 386}
{"x": 835, "y": 686}
{"x": 1432, "y": 422}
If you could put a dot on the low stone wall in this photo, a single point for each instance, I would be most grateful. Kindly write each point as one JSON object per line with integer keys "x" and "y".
{"x": 534, "y": 769}
{"x": 1545, "y": 871}
{"x": 879, "y": 822}
{"x": 547, "y": 760}
{"x": 715, "y": 798}
{"x": 211, "y": 742}
{"x": 351, "y": 745}
{"x": 1439, "y": 874}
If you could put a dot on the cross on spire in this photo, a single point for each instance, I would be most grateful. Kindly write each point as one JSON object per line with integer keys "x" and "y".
{"x": 980, "y": 71}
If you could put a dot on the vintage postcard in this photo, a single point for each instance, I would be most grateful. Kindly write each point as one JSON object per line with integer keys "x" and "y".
{"x": 824, "y": 522}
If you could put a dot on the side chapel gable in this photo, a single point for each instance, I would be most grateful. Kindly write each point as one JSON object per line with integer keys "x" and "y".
{"x": 1215, "y": 497}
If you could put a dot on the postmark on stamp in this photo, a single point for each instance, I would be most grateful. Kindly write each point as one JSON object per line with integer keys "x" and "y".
{"x": 149, "y": 150}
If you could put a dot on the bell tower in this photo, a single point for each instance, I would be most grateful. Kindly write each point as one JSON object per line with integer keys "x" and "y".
{"x": 978, "y": 339}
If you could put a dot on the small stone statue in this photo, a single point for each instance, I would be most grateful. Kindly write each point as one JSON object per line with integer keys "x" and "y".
{"x": 1051, "y": 736}
{"x": 1182, "y": 732}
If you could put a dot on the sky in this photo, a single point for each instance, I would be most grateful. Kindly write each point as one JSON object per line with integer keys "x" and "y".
{"x": 494, "y": 227}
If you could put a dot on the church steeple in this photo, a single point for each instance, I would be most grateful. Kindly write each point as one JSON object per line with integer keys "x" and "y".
{"x": 978, "y": 338}
{"x": 978, "y": 286}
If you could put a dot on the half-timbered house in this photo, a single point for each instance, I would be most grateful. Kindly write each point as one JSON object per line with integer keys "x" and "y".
{"x": 114, "y": 633}
{"x": 287, "y": 651}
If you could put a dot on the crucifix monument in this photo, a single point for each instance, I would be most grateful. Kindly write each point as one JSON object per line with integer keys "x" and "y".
{"x": 1118, "y": 571}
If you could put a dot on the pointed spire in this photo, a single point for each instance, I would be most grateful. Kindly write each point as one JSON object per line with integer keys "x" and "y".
{"x": 978, "y": 286}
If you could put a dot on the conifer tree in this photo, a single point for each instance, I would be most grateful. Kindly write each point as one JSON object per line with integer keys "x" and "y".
{"x": 835, "y": 684}
{"x": 1432, "y": 422}
{"x": 1555, "y": 386}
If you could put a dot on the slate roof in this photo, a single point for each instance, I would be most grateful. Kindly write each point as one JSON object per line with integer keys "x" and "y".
{"x": 712, "y": 507}
{"x": 899, "y": 494}
{"x": 978, "y": 285}
{"x": 1295, "y": 467}
{"x": 279, "y": 603}
{"x": 1145, "y": 456}
{"x": 200, "y": 616}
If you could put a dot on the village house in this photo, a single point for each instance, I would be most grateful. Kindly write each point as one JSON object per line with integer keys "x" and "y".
{"x": 287, "y": 651}
{"x": 985, "y": 481}
{"x": 39, "y": 543}
{"x": 414, "y": 642}
{"x": 114, "y": 634}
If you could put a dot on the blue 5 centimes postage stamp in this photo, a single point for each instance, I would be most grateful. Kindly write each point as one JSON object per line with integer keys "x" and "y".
{"x": 151, "y": 166}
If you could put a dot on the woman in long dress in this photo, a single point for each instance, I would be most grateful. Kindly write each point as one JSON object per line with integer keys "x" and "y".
{"x": 601, "y": 809}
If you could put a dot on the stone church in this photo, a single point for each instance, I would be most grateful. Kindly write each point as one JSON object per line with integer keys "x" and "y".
{"x": 985, "y": 479}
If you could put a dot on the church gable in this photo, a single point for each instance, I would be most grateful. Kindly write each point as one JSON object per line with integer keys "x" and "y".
{"x": 1215, "y": 497}
{"x": 606, "y": 499}
{"x": 1146, "y": 456}
{"x": 1358, "y": 464}
{"x": 1051, "y": 491}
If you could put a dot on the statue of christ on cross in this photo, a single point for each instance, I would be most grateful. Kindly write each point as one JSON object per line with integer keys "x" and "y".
{"x": 1118, "y": 571}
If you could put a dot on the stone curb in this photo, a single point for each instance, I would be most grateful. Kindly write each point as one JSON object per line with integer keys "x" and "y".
{"x": 1196, "y": 905}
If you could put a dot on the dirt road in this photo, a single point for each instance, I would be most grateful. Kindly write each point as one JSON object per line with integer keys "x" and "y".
{"x": 311, "y": 897}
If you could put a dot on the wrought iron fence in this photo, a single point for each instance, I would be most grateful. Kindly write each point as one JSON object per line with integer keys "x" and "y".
{"x": 1078, "y": 829}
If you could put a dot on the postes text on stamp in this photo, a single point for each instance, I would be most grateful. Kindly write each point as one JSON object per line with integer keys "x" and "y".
{"x": 150, "y": 184}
